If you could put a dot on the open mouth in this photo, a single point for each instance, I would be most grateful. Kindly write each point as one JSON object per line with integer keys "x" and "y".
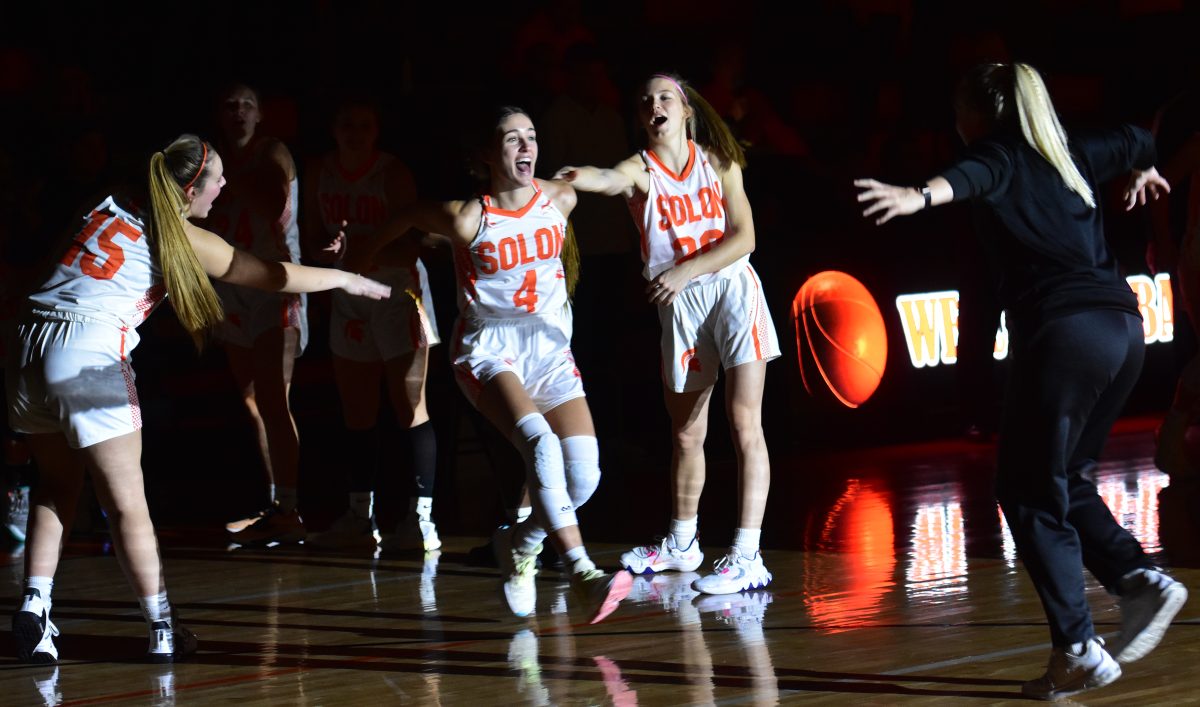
{"x": 658, "y": 120}
{"x": 524, "y": 166}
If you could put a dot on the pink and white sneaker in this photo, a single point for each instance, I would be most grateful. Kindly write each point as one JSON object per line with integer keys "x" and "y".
{"x": 733, "y": 573}
{"x": 663, "y": 556}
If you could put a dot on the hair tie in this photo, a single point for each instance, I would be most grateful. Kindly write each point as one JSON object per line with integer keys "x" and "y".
{"x": 203, "y": 160}
{"x": 682, "y": 93}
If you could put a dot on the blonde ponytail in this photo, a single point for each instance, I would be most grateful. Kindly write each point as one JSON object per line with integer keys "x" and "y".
{"x": 190, "y": 291}
{"x": 1043, "y": 131}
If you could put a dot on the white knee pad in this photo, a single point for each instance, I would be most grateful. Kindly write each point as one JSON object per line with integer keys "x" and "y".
{"x": 581, "y": 456}
{"x": 545, "y": 471}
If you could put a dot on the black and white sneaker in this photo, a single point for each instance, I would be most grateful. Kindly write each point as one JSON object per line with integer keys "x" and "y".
{"x": 33, "y": 631}
{"x": 170, "y": 643}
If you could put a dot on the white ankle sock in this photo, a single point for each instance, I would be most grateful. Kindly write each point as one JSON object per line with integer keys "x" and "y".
{"x": 683, "y": 532}
{"x": 423, "y": 507}
{"x": 578, "y": 557}
{"x": 746, "y": 541}
{"x": 156, "y": 607}
{"x": 42, "y": 584}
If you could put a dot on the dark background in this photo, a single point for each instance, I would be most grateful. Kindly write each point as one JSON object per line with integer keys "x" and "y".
{"x": 821, "y": 94}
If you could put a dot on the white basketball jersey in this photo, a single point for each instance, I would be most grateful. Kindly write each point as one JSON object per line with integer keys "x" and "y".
{"x": 108, "y": 272}
{"x": 244, "y": 224}
{"x": 358, "y": 199}
{"x": 681, "y": 215}
{"x": 513, "y": 268}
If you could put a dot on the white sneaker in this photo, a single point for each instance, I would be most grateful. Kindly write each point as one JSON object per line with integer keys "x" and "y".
{"x": 663, "y": 556}
{"x": 741, "y": 609}
{"x": 1083, "y": 666}
{"x": 519, "y": 570}
{"x": 1149, "y": 600}
{"x": 350, "y": 531}
{"x": 412, "y": 533}
{"x": 601, "y": 592}
{"x": 33, "y": 631}
{"x": 734, "y": 573}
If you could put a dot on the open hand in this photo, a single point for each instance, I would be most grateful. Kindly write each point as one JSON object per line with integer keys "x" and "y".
{"x": 1142, "y": 184}
{"x": 887, "y": 200}
{"x": 366, "y": 287}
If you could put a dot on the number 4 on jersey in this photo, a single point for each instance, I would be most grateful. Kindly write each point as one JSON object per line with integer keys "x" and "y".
{"x": 526, "y": 295}
{"x": 116, "y": 256}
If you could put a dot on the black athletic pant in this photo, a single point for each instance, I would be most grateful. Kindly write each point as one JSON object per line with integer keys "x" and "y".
{"x": 1069, "y": 382}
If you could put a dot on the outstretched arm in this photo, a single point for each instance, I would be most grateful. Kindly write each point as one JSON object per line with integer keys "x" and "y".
{"x": 621, "y": 180}
{"x": 458, "y": 220}
{"x": 886, "y": 201}
{"x": 228, "y": 264}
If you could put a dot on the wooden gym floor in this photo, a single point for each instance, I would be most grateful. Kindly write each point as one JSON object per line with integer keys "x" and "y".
{"x": 898, "y": 586}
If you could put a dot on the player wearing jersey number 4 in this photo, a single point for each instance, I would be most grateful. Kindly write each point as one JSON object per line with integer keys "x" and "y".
{"x": 686, "y": 196}
{"x": 512, "y": 353}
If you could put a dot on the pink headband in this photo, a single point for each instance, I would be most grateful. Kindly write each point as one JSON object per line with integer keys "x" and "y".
{"x": 682, "y": 93}
{"x": 203, "y": 159}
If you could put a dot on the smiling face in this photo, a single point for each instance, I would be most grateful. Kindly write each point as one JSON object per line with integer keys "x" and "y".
{"x": 201, "y": 197}
{"x": 239, "y": 114}
{"x": 515, "y": 154}
{"x": 662, "y": 109}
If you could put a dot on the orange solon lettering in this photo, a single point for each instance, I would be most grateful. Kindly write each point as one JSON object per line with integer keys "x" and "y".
{"x": 661, "y": 204}
{"x": 488, "y": 263}
{"x": 508, "y": 254}
{"x": 710, "y": 205}
{"x": 525, "y": 258}
{"x": 545, "y": 243}
{"x": 678, "y": 210}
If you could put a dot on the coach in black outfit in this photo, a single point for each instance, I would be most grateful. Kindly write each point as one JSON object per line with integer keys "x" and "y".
{"x": 1077, "y": 348}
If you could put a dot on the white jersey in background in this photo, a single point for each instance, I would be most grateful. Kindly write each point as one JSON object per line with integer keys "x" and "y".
{"x": 238, "y": 215}
{"x": 513, "y": 269}
{"x": 363, "y": 329}
{"x": 680, "y": 215}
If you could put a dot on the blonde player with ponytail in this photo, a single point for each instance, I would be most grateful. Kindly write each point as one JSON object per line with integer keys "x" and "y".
{"x": 1077, "y": 343}
{"x": 697, "y": 232}
{"x": 71, "y": 385}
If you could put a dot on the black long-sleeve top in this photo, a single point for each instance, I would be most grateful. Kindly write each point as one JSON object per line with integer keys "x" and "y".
{"x": 1053, "y": 259}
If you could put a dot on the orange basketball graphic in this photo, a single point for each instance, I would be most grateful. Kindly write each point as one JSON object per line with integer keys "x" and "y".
{"x": 840, "y": 337}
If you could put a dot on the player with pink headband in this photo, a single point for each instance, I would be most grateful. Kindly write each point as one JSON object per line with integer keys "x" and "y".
{"x": 70, "y": 383}
{"x": 685, "y": 193}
